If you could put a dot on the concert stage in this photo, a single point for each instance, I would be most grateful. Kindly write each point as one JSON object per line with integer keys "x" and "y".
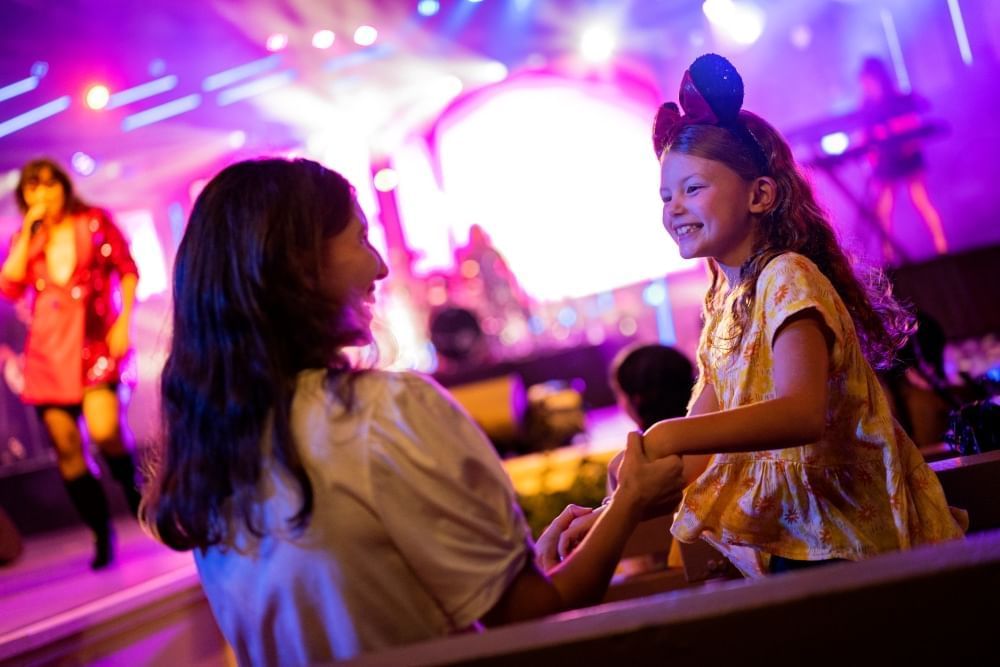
{"x": 146, "y": 608}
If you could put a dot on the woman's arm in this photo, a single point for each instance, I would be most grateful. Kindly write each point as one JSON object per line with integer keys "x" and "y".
{"x": 117, "y": 338}
{"x": 583, "y": 577}
{"x": 15, "y": 267}
{"x": 796, "y": 416}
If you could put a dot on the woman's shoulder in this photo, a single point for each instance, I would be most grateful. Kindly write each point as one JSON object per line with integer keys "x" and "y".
{"x": 370, "y": 386}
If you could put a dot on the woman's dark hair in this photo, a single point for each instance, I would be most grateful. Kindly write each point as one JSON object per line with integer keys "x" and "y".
{"x": 249, "y": 314}
{"x": 876, "y": 69}
{"x": 655, "y": 379}
{"x": 796, "y": 223}
{"x": 30, "y": 174}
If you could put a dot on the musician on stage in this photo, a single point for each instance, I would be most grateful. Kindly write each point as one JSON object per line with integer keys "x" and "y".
{"x": 890, "y": 112}
{"x": 67, "y": 258}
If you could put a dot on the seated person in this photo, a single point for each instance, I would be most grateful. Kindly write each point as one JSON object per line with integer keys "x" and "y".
{"x": 335, "y": 510}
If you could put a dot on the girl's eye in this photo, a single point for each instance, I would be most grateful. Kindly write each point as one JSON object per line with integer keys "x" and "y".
{"x": 666, "y": 200}
{"x": 691, "y": 189}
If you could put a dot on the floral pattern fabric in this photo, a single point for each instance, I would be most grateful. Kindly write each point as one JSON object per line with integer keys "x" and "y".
{"x": 862, "y": 490}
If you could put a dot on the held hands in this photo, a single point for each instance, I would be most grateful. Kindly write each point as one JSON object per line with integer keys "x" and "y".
{"x": 547, "y": 554}
{"x": 647, "y": 482}
{"x": 635, "y": 480}
{"x": 117, "y": 338}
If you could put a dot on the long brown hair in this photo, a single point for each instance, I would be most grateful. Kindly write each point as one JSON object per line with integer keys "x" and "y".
{"x": 249, "y": 313}
{"x": 795, "y": 223}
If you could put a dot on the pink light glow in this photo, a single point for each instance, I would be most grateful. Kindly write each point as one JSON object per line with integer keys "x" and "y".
{"x": 562, "y": 176}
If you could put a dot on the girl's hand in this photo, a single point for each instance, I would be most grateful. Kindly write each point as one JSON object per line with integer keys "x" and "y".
{"x": 117, "y": 338}
{"x": 647, "y": 483}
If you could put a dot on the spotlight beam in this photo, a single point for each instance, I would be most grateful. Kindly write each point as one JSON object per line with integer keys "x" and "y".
{"x": 142, "y": 91}
{"x": 32, "y": 116}
{"x": 161, "y": 112}
{"x": 18, "y": 88}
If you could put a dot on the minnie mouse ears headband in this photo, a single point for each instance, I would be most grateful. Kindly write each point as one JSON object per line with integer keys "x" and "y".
{"x": 711, "y": 94}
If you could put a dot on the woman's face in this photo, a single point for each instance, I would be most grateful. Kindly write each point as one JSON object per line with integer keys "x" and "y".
{"x": 351, "y": 270}
{"x": 46, "y": 192}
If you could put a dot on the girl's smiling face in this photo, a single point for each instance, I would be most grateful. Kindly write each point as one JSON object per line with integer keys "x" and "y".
{"x": 707, "y": 208}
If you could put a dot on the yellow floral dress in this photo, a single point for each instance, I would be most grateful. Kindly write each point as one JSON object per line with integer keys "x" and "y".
{"x": 862, "y": 490}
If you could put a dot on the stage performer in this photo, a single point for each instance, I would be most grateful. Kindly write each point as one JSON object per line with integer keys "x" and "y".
{"x": 68, "y": 257}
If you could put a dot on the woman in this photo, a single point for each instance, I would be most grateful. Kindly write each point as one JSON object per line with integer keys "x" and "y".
{"x": 68, "y": 254}
{"x": 334, "y": 510}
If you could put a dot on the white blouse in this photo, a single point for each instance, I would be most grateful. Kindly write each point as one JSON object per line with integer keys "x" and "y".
{"x": 415, "y": 531}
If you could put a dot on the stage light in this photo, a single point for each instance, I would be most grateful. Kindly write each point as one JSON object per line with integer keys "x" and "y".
{"x": 598, "y": 43}
{"x": 566, "y": 316}
{"x": 32, "y": 116}
{"x": 742, "y": 22}
{"x": 365, "y": 35}
{"x": 958, "y": 23}
{"x": 256, "y": 87}
{"x": 196, "y": 187}
{"x": 835, "y": 143}
{"x": 627, "y": 326}
{"x": 277, "y": 42}
{"x": 40, "y": 68}
{"x": 475, "y": 2}
{"x": 428, "y": 7}
{"x": 157, "y": 67}
{"x": 142, "y": 91}
{"x": 469, "y": 269}
{"x": 323, "y": 39}
{"x": 892, "y": 37}
{"x": 98, "y": 97}
{"x": 801, "y": 36}
{"x": 240, "y": 72}
{"x": 82, "y": 163}
{"x": 237, "y": 139}
{"x": 18, "y": 88}
{"x": 161, "y": 112}
{"x": 386, "y": 180}
{"x": 655, "y": 293}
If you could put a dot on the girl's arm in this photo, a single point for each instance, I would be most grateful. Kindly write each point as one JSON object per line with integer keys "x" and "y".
{"x": 706, "y": 403}
{"x": 795, "y": 416}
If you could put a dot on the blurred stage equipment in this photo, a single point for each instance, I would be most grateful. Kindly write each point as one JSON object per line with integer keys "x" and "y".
{"x": 555, "y": 414}
{"x": 854, "y": 124}
{"x": 498, "y": 406}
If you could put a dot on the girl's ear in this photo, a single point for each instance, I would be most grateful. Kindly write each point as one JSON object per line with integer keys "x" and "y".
{"x": 763, "y": 195}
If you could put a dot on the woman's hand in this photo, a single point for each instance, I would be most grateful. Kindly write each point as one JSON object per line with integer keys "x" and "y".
{"x": 117, "y": 338}
{"x": 35, "y": 213}
{"x": 547, "y": 546}
{"x": 648, "y": 482}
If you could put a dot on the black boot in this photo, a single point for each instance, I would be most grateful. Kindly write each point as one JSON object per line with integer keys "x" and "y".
{"x": 92, "y": 505}
{"x": 123, "y": 471}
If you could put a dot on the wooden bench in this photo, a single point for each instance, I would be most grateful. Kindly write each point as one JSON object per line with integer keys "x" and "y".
{"x": 934, "y": 603}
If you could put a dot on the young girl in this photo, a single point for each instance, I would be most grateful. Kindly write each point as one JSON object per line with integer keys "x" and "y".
{"x": 334, "y": 511}
{"x": 808, "y": 464}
